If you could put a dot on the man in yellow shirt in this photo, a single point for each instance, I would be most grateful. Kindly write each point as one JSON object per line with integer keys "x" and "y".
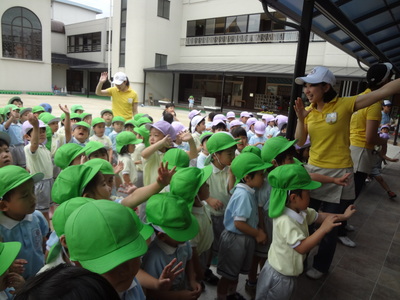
{"x": 124, "y": 100}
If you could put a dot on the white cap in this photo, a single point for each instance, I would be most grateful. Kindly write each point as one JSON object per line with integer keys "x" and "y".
{"x": 230, "y": 114}
{"x": 387, "y": 103}
{"x": 193, "y": 113}
{"x": 317, "y": 75}
{"x": 259, "y": 127}
{"x": 119, "y": 78}
{"x": 268, "y": 118}
{"x": 245, "y": 114}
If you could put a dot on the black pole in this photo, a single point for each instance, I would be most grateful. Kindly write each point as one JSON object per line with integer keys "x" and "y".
{"x": 173, "y": 86}
{"x": 88, "y": 84}
{"x": 222, "y": 92}
{"x": 396, "y": 132}
{"x": 301, "y": 61}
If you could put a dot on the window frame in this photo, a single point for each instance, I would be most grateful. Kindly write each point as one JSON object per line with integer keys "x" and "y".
{"x": 163, "y": 9}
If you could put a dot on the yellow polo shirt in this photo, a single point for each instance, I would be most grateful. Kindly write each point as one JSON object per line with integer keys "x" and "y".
{"x": 121, "y": 102}
{"x": 330, "y": 142}
{"x": 358, "y": 123}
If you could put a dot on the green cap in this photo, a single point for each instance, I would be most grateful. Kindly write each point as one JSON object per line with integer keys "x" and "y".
{"x": 62, "y": 117}
{"x": 205, "y": 135}
{"x": 54, "y": 252}
{"x": 252, "y": 149}
{"x": 15, "y": 98}
{"x": 84, "y": 115}
{"x": 171, "y": 214}
{"x": 48, "y": 118}
{"x": 287, "y": 178}
{"x": 24, "y": 110}
{"x": 176, "y": 158}
{"x": 12, "y": 106}
{"x": 81, "y": 123}
{"x": 5, "y": 137}
{"x": 246, "y": 163}
{"x": 76, "y": 107}
{"x": 66, "y": 154}
{"x": 220, "y": 141}
{"x": 142, "y": 121}
{"x": 138, "y": 116}
{"x": 102, "y": 235}
{"x": 8, "y": 252}
{"x": 105, "y": 167}
{"x": 126, "y": 138}
{"x": 187, "y": 182}
{"x": 63, "y": 211}
{"x": 97, "y": 120}
{"x": 144, "y": 132}
{"x": 13, "y": 176}
{"x": 38, "y": 108}
{"x": 118, "y": 119}
{"x": 93, "y": 146}
{"x": 274, "y": 146}
{"x": 130, "y": 122}
{"x": 75, "y": 116}
{"x": 71, "y": 182}
{"x": 107, "y": 110}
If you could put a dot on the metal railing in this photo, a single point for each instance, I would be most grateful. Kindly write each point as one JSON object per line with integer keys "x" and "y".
{"x": 247, "y": 38}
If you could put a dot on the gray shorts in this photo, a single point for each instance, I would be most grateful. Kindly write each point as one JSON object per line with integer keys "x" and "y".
{"x": 362, "y": 159}
{"x": 273, "y": 285}
{"x": 235, "y": 254}
{"x": 218, "y": 227}
{"x": 377, "y": 168}
{"x": 18, "y": 155}
{"x": 262, "y": 249}
{"x": 43, "y": 194}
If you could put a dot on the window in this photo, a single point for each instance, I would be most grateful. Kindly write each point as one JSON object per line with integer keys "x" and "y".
{"x": 236, "y": 24}
{"x": 161, "y": 60}
{"x": 219, "y": 26}
{"x": 163, "y": 9}
{"x": 254, "y": 23}
{"x": 191, "y": 28}
{"x": 122, "y": 36}
{"x": 21, "y": 34}
{"x": 89, "y": 42}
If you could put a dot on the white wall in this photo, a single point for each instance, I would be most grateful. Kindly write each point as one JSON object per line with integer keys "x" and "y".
{"x": 69, "y": 14}
{"x": 58, "y": 43}
{"x": 59, "y": 76}
{"x": 26, "y": 75}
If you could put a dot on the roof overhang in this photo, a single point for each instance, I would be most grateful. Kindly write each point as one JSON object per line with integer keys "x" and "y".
{"x": 280, "y": 70}
{"x": 76, "y": 63}
{"x": 368, "y": 30}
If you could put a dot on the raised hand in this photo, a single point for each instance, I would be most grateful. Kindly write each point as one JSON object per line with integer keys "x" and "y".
{"x": 169, "y": 274}
{"x": 300, "y": 110}
{"x": 103, "y": 77}
{"x": 64, "y": 109}
{"x": 165, "y": 175}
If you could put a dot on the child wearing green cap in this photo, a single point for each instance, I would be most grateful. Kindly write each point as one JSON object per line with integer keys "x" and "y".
{"x": 19, "y": 221}
{"x": 118, "y": 126}
{"x": 99, "y": 128}
{"x": 80, "y": 133}
{"x": 238, "y": 240}
{"x": 290, "y": 197}
{"x": 240, "y": 133}
{"x": 38, "y": 159}
{"x": 8, "y": 278}
{"x": 201, "y": 158}
{"x": 107, "y": 116}
{"x": 24, "y": 113}
{"x": 5, "y": 154}
{"x": 13, "y": 128}
{"x": 126, "y": 142}
{"x": 68, "y": 155}
{"x": 174, "y": 226}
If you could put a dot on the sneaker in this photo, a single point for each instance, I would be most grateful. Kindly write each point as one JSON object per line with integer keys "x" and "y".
{"x": 235, "y": 296}
{"x": 346, "y": 241}
{"x": 251, "y": 288}
{"x": 391, "y": 195}
{"x": 350, "y": 227}
{"x": 210, "y": 278}
{"x": 314, "y": 273}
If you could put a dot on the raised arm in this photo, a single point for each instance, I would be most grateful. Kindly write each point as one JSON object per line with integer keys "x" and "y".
{"x": 301, "y": 128}
{"x": 385, "y": 91}
{"x": 99, "y": 90}
{"x": 33, "y": 120}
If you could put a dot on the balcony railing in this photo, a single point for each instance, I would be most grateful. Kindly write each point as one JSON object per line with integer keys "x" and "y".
{"x": 248, "y": 38}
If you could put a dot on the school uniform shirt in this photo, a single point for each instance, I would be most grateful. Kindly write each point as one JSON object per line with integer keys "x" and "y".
{"x": 271, "y": 131}
{"x": 39, "y": 161}
{"x": 113, "y": 138}
{"x": 196, "y": 138}
{"x": 129, "y": 167}
{"x": 15, "y": 133}
{"x": 160, "y": 254}
{"x": 150, "y": 167}
{"x": 105, "y": 140}
{"x": 201, "y": 159}
{"x": 204, "y": 239}
{"x": 250, "y": 134}
{"x": 289, "y": 230}
{"x": 134, "y": 292}
{"x": 256, "y": 139}
{"x": 137, "y": 155}
{"x": 241, "y": 207}
{"x": 75, "y": 141}
{"x": 57, "y": 141}
{"x": 29, "y": 232}
{"x": 108, "y": 130}
{"x": 218, "y": 183}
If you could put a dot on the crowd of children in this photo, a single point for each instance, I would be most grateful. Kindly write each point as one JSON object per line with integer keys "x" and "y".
{"x": 151, "y": 205}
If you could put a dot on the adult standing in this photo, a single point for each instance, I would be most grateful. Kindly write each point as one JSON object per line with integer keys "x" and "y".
{"x": 386, "y": 108}
{"x": 124, "y": 100}
{"x": 327, "y": 122}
